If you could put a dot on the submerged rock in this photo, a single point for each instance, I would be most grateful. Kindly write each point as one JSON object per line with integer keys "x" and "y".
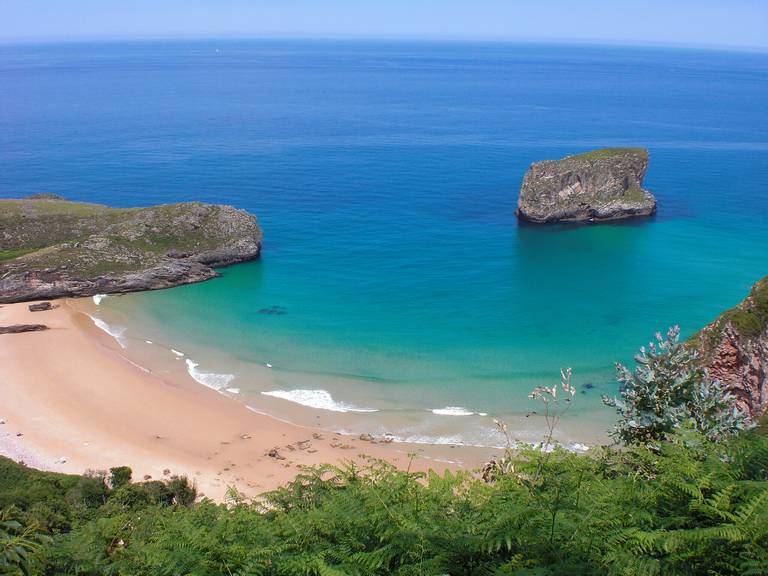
{"x": 600, "y": 185}
{"x": 734, "y": 349}
{"x": 51, "y": 248}
{"x": 273, "y": 311}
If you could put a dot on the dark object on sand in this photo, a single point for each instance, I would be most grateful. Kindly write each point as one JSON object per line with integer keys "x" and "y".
{"x": 19, "y": 328}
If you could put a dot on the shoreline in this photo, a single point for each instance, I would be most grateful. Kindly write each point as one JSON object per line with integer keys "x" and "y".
{"x": 72, "y": 402}
{"x": 292, "y": 385}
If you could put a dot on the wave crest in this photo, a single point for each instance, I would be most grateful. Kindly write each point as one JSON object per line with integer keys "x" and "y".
{"x": 452, "y": 411}
{"x": 320, "y": 399}
{"x": 115, "y": 331}
{"x": 210, "y": 379}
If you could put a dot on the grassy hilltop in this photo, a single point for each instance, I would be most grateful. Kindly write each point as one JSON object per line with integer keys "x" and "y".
{"x": 51, "y": 247}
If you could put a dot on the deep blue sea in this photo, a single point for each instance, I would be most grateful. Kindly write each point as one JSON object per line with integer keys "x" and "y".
{"x": 385, "y": 177}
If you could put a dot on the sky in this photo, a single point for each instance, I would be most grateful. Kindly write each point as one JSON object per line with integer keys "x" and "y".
{"x": 733, "y": 23}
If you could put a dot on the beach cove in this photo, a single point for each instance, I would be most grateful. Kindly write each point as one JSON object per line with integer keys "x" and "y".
{"x": 73, "y": 402}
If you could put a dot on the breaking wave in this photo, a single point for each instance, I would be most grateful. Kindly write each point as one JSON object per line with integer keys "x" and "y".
{"x": 320, "y": 399}
{"x": 115, "y": 331}
{"x": 210, "y": 379}
{"x": 456, "y": 411}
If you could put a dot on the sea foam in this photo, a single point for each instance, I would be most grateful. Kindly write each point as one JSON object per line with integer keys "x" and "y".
{"x": 97, "y": 298}
{"x": 115, "y": 331}
{"x": 210, "y": 379}
{"x": 452, "y": 411}
{"x": 320, "y": 399}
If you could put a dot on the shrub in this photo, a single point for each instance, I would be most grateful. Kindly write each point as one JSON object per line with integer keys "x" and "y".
{"x": 119, "y": 476}
{"x": 669, "y": 390}
{"x": 184, "y": 493}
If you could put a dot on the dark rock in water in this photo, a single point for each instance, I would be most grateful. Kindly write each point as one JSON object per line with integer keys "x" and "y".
{"x": 589, "y": 385}
{"x": 71, "y": 249}
{"x": 273, "y": 310}
{"x": 734, "y": 350}
{"x": 18, "y": 328}
{"x": 40, "y": 307}
{"x": 595, "y": 186}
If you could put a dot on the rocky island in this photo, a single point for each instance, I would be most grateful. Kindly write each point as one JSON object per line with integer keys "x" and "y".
{"x": 734, "y": 349}
{"x": 51, "y": 247}
{"x": 604, "y": 184}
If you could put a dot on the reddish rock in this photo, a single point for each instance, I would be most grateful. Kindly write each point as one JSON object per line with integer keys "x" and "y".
{"x": 734, "y": 349}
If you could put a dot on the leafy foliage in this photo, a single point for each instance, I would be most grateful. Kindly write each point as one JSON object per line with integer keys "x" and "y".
{"x": 669, "y": 390}
{"x": 18, "y": 543}
{"x": 690, "y": 507}
{"x": 120, "y": 476}
{"x": 684, "y": 497}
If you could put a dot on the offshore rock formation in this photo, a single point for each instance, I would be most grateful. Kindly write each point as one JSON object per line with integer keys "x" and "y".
{"x": 604, "y": 184}
{"x": 52, "y": 248}
{"x": 734, "y": 349}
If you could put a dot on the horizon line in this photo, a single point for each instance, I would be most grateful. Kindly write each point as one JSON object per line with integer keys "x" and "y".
{"x": 63, "y": 39}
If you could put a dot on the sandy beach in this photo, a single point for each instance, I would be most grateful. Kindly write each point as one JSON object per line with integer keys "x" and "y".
{"x": 72, "y": 402}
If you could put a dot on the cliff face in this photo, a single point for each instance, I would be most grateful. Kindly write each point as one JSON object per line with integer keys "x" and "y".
{"x": 51, "y": 248}
{"x": 734, "y": 349}
{"x": 600, "y": 185}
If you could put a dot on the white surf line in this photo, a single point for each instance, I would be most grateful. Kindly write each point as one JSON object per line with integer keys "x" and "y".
{"x": 320, "y": 399}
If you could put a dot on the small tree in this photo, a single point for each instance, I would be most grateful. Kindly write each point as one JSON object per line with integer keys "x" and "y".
{"x": 120, "y": 476}
{"x": 184, "y": 492}
{"x": 669, "y": 389}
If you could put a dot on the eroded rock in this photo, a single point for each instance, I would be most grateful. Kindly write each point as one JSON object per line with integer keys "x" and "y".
{"x": 734, "y": 349}
{"x": 600, "y": 185}
{"x": 66, "y": 249}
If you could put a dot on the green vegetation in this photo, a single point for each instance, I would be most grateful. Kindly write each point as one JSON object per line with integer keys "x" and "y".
{"x": 667, "y": 390}
{"x": 15, "y": 253}
{"x": 692, "y": 507}
{"x": 685, "y": 504}
{"x": 749, "y": 319}
{"x": 634, "y": 194}
{"x": 609, "y": 153}
{"x": 84, "y": 241}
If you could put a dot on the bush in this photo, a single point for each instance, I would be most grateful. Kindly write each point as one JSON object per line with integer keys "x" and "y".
{"x": 119, "y": 476}
{"x": 184, "y": 493}
{"x": 690, "y": 507}
{"x": 669, "y": 390}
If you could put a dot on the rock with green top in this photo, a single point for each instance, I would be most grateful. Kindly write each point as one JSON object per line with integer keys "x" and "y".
{"x": 52, "y": 248}
{"x": 600, "y": 185}
{"x": 734, "y": 349}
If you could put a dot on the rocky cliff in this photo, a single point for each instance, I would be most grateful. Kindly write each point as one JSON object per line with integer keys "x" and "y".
{"x": 604, "y": 184}
{"x": 734, "y": 349}
{"x": 51, "y": 248}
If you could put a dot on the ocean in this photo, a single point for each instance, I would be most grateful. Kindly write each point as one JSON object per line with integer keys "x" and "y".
{"x": 397, "y": 292}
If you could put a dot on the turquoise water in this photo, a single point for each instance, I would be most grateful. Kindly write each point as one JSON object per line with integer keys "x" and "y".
{"x": 385, "y": 177}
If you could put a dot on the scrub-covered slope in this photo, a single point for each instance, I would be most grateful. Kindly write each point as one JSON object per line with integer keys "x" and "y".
{"x": 50, "y": 247}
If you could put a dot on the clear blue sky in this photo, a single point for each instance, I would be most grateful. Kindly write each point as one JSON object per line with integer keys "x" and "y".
{"x": 738, "y": 23}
